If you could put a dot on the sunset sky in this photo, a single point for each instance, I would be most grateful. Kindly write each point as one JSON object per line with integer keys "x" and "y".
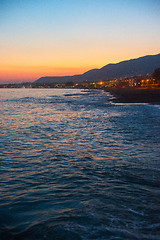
{"x": 65, "y": 37}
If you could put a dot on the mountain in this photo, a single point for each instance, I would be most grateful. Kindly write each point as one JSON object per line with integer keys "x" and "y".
{"x": 133, "y": 67}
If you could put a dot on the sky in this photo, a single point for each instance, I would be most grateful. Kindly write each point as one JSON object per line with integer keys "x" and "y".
{"x": 66, "y": 37}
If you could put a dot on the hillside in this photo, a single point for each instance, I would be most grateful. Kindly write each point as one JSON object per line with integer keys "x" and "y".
{"x": 133, "y": 67}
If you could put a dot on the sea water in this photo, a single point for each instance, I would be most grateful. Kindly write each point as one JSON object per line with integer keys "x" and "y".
{"x": 75, "y": 166}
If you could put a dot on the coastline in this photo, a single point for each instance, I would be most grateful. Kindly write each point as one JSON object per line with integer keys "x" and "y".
{"x": 134, "y": 95}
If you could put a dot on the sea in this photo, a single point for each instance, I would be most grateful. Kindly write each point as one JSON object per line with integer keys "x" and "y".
{"x": 76, "y": 166}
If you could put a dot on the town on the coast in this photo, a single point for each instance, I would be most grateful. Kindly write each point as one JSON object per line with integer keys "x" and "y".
{"x": 146, "y": 81}
{"x": 134, "y": 80}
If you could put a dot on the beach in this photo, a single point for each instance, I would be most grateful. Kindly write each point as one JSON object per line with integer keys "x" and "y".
{"x": 135, "y": 95}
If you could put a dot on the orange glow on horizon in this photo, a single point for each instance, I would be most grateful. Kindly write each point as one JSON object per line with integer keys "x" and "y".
{"x": 32, "y": 73}
{"x": 43, "y": 38}
{"x": 30, "y": 69}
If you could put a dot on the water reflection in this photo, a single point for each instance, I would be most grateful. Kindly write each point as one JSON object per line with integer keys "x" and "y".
{"x": 73, "y": 164}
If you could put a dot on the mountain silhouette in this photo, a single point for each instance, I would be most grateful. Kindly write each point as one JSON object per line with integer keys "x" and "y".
{"x": 133, "y": 67}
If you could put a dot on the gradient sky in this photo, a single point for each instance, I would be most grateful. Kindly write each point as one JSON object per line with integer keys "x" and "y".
{"x": 66, "y": 37}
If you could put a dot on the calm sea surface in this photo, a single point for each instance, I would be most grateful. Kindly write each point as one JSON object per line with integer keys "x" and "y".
{"x": 74, "y": 166}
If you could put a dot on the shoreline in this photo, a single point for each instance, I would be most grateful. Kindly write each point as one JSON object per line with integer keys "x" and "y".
{"x": 135, "y": 95}
{"x": 124, "y": 95}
